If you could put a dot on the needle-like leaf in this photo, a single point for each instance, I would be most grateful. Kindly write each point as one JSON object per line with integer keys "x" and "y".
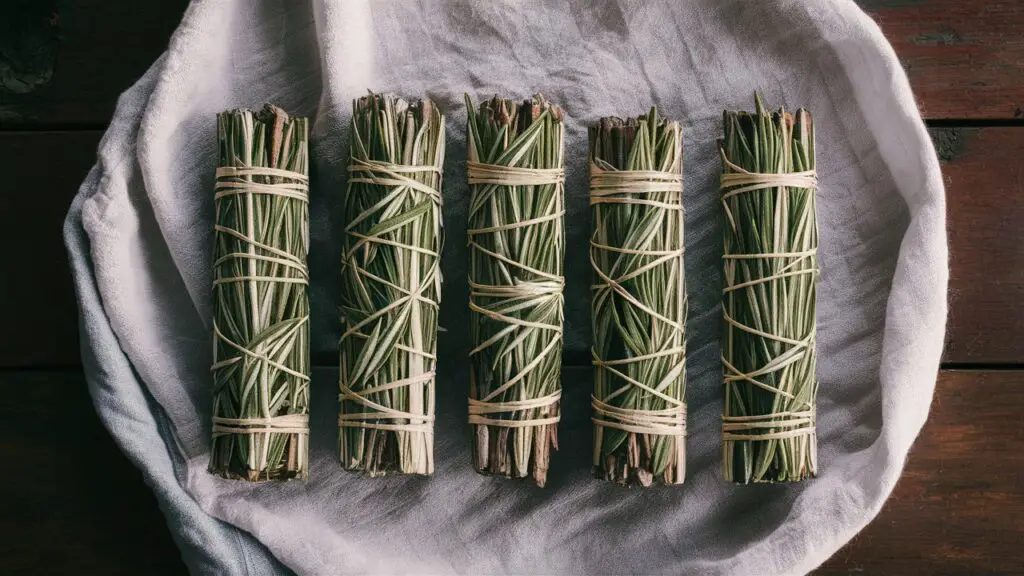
{"x": 391, "y": 286}
{"x": 516, "y": 250}
{"x": 770, "y": 270}
{"x": 261, "y": 311}
{"x": 639, "y": 301}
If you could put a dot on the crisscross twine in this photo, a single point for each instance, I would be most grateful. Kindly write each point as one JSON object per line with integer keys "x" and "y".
{"x": 629, "y": 262}
{"x": 797, "y": 418}
{"x": 359, "y": 382}
{"x": 263, "y": 361}
{"x": 501, "y": 303}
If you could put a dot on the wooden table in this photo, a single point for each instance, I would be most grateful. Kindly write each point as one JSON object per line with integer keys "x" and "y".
{"x": 73, "y": 503}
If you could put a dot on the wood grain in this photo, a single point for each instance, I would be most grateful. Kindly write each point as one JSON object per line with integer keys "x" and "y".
{"x": 106, "y": 46}
{"x": 965, "y": 59}
{"x": 984, "y": 176}
{"x": 72, "y": 502}
{"x": 42, "y": 172}
{"x": 958, "y": 507}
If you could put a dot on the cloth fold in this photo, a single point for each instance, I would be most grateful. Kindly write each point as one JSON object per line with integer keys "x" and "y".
{"x": 140, "y": 233}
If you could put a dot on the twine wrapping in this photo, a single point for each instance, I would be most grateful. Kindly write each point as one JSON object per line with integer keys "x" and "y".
{"x": 268, "y": 270}
{"x": 491, "y": 300}
{"x": 622, "y": 263}
{"x": 500, "y": 175}
{"x": 287, "y": 424}
{"x": 479, "y": 409}
{"x": 516, "y": 237}
{"x": 796, "y": 418}
{"x": 366, "y": 399}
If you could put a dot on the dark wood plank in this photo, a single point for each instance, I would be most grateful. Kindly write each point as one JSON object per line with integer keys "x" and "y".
{"x": 958, "y": 507}
{"x": 984, "y": 177}
{"x": 39, "y": 317}
{"x": 72, "y": 503}
{"x": 105, "y": 46}
{"x": 965, "y": 59}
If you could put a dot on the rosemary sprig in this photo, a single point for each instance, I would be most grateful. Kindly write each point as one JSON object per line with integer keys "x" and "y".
{"x": 391, "y": 286}
{"x": 771, "y": 238}
{"x": 516, "y": 235}
{"x": 261, "y": 310}
{"x": 639, "y": 300}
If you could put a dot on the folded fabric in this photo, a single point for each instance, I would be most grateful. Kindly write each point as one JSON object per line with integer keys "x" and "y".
{"x": 140, "y": 236}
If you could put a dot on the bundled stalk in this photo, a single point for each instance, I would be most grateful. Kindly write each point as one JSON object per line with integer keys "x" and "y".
{"x": 261, "y": 310}
{"x": 516, "y": 239}
{"x": 639, "y": 300}
{"x": 771, "y": 241}
{"x": 391, "y": 287}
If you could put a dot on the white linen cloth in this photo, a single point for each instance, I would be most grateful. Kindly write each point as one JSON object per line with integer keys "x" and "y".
{"x": 140, "y": 239}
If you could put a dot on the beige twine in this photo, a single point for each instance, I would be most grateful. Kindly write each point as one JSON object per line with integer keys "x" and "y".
{"x": 395, "y": 177}
{"x": 777, "y": 425}
{"x": 606, "y": 186}
{"x": 478, "y": 409}
{"x": 294, "y": 186}
{"x": 285, "y": 424}
{"x": 550, "y": 286}
{"x": 501, "y": 175}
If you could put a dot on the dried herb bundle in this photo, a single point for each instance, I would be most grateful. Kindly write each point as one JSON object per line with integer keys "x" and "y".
{"x": 516, "y": 238}
{"x": 261, "y": 311}
{"x": 639, "y": 300}
{"x": 771, "y": 241}
{"x": 391, "y": 286}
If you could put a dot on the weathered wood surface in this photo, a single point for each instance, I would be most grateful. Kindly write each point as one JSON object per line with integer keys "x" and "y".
{"x": 984, "y": 174}
{"x": 959, "y": 505}
{"x": 965, "y": 58}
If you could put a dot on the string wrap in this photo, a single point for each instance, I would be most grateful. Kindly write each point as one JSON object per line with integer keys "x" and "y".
{"x": 798, "y": 417}
{"x": 615, "y": 266}
{"x": 363, "y": 399}
{"x": 500, "y": 302}
{"x": 480, "y": 409}
{"x": 285, "y": 424}
{"x": 283, "y": 383}
{"x": 502, "y": 175}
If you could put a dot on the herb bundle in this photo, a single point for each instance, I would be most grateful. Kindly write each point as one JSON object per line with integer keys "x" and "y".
{"x": 639, "y": 300}
{"x": 516, "y": 239}
{"x": 771, "y": 241}
{"x": 261, "y": 310}
{"x": 392, "y": 286}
